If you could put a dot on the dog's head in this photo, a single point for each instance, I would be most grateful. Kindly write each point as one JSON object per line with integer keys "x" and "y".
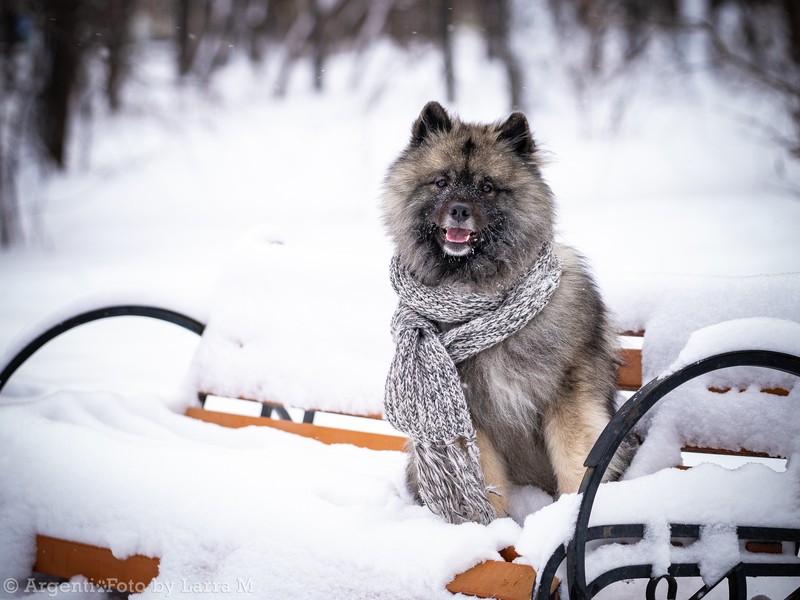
{"x": 465, "y": 203}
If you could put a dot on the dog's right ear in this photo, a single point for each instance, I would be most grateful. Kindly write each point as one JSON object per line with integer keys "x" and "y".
{"x": 518, "y": 134}
{"x": 432, "y": 118}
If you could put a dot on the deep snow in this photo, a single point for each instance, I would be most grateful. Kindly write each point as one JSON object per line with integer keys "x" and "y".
{"x": 682, "y": 213}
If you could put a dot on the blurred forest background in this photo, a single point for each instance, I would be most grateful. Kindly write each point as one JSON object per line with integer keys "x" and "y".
{"x": 61, "y": 60}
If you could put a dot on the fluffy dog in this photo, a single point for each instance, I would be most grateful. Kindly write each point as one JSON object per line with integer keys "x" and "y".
{"x": 466, "y": 207}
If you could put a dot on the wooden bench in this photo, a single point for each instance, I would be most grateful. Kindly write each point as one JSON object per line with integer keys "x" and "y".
{"x": 491, "y": 579}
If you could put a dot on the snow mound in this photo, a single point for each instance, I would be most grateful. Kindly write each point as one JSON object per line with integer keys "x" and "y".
{"x": 288, "y": 516}
{"x": 302, "y": 325}
{"x": 175, "y": 300}
{"x": 755, "y": 333}
{"x": 707, "y": 495}
{"x": 670, "y": 308}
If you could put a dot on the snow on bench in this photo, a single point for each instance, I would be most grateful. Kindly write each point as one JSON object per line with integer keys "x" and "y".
{"x": 304, "y": 327}
{"x": 318, "y": 289}
{"x": 257, "y": 507}
{"x": 670, "y": 307}
{"x": 716, "y": 499}
{"x": 308, "y": 327}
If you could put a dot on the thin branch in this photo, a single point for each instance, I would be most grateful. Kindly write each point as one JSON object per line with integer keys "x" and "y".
{"x": 743, "y": 64}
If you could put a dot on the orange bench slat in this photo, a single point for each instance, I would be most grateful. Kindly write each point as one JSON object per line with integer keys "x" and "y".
{"x": 62, "y": 558}
{"x": 327, "y": 435}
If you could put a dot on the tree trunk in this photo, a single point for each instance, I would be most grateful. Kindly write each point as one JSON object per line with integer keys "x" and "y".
{"x": 192, "y": 17}
{"x": 445, "y": 22}
{"x": 496, "y": 18}
{"x": 792, "y": 8}
{"x": 63, "y": 53}
{"x": 9, "y": 217}
{"x": 120, "y": 17}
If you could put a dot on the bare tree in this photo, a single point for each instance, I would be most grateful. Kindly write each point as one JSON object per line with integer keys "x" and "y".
{"x": 444, "y": 20}
{"x": 44, "y": 47}
{"x": 780, "y": 76}
{"x": 192, "y": 18}
{"x": 759, "y": 42}
{"x": 762, "y": 47}
{"x": 317, "y": 29}
{"x": 118, "y": 19}
{"x": 497, "y": 21}
{"x": 230, "y": 35}
{"x": 64, "y": 44}
{"x": 296, "y": 40}
{"x": 14, "y": 97}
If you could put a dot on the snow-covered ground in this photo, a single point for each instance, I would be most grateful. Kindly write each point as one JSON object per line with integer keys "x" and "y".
{"x": 687, "y": 215}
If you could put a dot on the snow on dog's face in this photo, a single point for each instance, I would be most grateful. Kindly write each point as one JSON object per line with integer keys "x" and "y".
{"x": 465, "y": 203}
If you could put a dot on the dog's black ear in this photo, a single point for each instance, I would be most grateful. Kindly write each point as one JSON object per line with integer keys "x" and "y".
{"x": 516, "y": 131}
{"x": 432, "y": 118}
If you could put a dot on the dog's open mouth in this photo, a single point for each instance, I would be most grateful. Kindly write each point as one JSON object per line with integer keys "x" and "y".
{"x": 458, "y": 241}
{"x": 457, "y": 235}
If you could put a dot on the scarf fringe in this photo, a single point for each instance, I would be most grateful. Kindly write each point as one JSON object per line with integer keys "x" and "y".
{"x": 450, "y": 484}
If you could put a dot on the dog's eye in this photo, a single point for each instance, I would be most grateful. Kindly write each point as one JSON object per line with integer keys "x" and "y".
{"x": 441, "y": 182}
{"x": 487, "y": 188}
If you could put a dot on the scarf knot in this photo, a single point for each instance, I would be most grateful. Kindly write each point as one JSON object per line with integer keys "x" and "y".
{"x": 424, "y": 396}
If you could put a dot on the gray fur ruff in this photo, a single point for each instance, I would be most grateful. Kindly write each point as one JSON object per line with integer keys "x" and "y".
{"x": 424, "y": 397}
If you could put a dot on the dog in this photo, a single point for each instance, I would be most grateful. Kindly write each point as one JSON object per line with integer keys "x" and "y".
{"x": 466, "y": 206}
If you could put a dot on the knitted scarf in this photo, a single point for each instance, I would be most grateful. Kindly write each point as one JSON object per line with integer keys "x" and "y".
{"x": 424, "y": 397}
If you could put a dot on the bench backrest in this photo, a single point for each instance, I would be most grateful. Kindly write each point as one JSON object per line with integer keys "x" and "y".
{"x": 629, "y": 379}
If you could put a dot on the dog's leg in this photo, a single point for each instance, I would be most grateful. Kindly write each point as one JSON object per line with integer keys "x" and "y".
{"x": 571, "y": 427}
{"x": 495, "y": 474}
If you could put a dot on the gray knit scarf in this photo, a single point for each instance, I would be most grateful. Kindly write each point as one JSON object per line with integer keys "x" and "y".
{"x": 424, "y": 397}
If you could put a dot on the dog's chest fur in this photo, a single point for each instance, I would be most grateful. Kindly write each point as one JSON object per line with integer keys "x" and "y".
{"x": 510, "y": 386}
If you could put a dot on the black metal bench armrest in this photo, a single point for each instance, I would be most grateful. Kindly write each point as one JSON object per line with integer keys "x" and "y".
{"x": 623, "y": 423}
{"x": 122, "y": 310}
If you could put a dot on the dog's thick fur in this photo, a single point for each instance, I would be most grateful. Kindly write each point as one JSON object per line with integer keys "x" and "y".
{"x": 466, "y": 206}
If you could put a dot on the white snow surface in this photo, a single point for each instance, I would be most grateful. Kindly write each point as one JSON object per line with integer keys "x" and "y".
{"x": 708, "y": 494}
{"x": 756, "y": 333}
{"x": 686, "y": 214}
{"x": 670, "y": 307}
{"x": 692, "y": 415}
{"x": 297, "y": 518}
{"x": 101, "y": 299}
{"x": 277, "y": 299}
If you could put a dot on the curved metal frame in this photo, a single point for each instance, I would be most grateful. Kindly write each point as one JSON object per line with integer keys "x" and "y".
{"x": 123, "y": 310}
{"x": 606, "y": 446}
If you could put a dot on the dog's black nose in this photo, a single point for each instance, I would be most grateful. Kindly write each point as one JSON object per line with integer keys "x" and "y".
{"x": 460, "y": 212}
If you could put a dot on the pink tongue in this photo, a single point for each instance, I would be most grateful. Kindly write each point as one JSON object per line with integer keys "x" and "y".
{"x": 457, "y": 235}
